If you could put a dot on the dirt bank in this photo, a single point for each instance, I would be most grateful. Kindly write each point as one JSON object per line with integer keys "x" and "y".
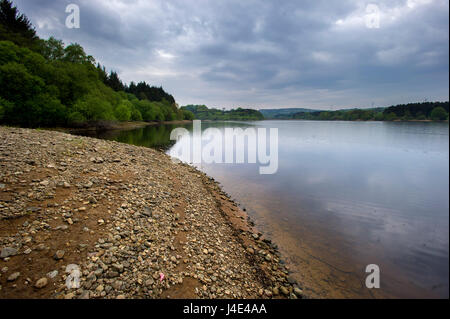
{"x": 135, "y": 224}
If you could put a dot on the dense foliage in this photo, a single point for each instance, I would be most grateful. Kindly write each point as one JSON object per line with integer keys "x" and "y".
{"x": 45, "y": 83}
{"x": 201, "y": 112}
{"x": 436, "y": 111}
{"x": 283, "y": 114}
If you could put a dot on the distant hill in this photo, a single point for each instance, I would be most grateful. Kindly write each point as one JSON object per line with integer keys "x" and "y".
{"x": 202, "y": 112}
{"x": 426, "y": 111}
{"x": 286, "y": 113}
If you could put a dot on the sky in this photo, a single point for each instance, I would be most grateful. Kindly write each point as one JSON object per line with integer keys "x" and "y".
{"x": 320, "y": 54}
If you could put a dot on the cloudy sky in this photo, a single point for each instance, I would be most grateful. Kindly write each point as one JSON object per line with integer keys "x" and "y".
{"x": 265, "y": 54}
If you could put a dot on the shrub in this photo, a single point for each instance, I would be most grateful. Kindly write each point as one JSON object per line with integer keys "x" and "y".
{"x": 439, "y": 114}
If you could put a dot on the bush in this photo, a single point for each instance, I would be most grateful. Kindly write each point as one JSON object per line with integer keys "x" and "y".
{"x": 390, "y": 117}
{"x": 188, "y": 115}
{"x": 76, "y": 119}
{"x": 439, "y": 114}
{"x": 123, "y": 111}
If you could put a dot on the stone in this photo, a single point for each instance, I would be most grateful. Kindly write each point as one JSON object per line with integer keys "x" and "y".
{"x": 8, "y": 252}
{"x": 284, "y": 291}
{"x": 44, "y": 183}
{"x": 85, "y": 295}
{"x": 291, "y": 280}
{"x": 275, "y": 291}
{"x": 41, "y": 283}
{"x": 13, "y": 276}
{"x": 52, "y": 274}
{"x": 298, "y": 292}
{"x": 59, "y": 254}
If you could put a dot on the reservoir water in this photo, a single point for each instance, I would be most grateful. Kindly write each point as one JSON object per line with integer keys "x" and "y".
{"x": 346, "y": 195}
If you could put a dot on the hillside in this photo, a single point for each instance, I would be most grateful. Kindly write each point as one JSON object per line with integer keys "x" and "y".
{"x": 285, "y": 113}
{"x": 427, "y": 111}
{"x": 46, "y": 83}
{"x": 202, "y": 112}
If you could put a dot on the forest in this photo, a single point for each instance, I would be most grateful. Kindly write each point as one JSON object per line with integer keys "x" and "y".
{"x": 431, "y": 111}
{"x": 45, "y": 83}
{"x": 202, "y": 112}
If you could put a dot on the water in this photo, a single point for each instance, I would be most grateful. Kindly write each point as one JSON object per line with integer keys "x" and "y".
{"x": 346, "y": 195}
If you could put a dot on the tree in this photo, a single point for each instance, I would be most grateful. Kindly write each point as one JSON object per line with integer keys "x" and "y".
{"x": 439, "y": 114}
{"x": 75, "y": 53}
{"x": 53, "y": 49}
{"x": 390, "y": 116}
{"x": 114, "y": 82}
{"x": 42, "y": 82}
{"x": 15, "y": 22}
{"x": 123, "y": 111}
{"x": 4, "y": 106}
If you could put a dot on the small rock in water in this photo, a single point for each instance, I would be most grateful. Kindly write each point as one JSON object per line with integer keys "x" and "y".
{"x": 298, "y": 292}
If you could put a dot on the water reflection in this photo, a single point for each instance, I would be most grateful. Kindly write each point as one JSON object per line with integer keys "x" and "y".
{"x": 347, "y": 194}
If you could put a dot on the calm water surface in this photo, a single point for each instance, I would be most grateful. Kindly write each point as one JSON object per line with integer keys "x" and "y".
{"x": 346, "y": 195}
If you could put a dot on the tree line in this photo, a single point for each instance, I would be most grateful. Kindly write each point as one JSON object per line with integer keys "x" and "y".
{"x": 47, "y": 83}
{"x": 202, "y": 112}
{"x": 432, "y": 111}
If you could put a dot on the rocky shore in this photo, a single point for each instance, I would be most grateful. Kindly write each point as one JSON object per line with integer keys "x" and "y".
{"x": 87, "y": 218}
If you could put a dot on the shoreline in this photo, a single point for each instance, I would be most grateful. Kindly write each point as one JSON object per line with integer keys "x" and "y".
{"x": 125, "y": 215}
{"x": 114, "y": 126}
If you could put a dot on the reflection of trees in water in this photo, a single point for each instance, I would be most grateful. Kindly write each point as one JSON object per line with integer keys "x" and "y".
{"x": 150, "y": 136}
{"x": 158, "y": 136}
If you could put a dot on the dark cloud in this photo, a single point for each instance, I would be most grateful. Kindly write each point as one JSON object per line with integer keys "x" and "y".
{"x": 265, "y": 53}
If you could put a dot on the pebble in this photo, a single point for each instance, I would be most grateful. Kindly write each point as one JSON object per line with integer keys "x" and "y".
{"x": 8, "y": 252}
{"x": 284, "y": 290}
{"x": 41, "y": 283}
{"x": 14, "y": 276}
{"x": 59, "y": 254}
{"x": 298, "y": 292}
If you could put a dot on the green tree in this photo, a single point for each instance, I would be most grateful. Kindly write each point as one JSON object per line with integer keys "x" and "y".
{"x": 94, "y": 108}
{"x": 53, "y": 49}
{"x": 16, "y": 27}
{"x": 75, "y": 53}
{"x": 439, "y": 114}
{"x": 390, "y": 117}
{"x": 123, "y": 111}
